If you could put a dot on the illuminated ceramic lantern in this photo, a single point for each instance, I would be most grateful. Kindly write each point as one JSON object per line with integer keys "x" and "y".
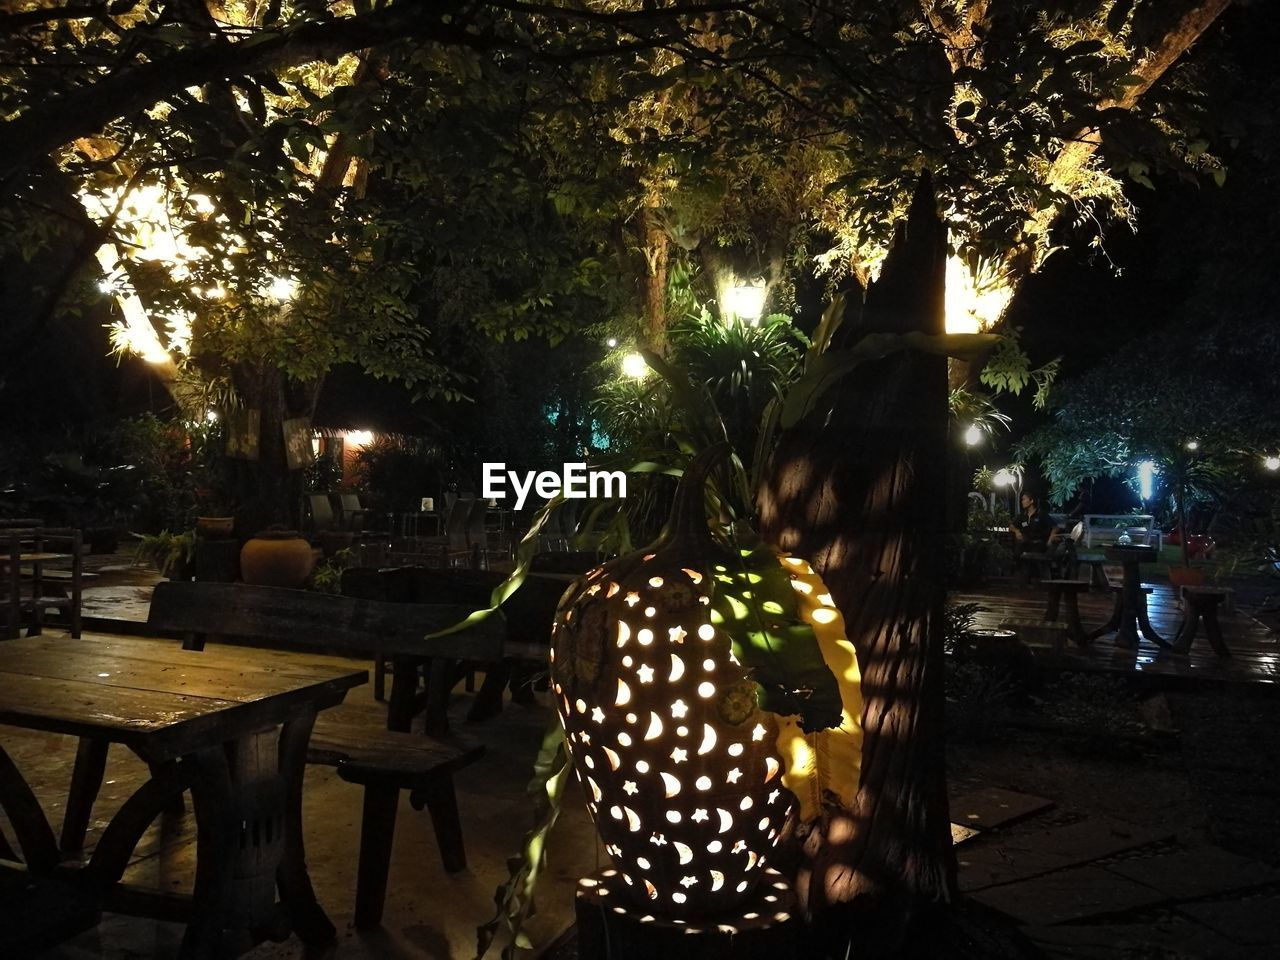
{"x": 679, "y": 765}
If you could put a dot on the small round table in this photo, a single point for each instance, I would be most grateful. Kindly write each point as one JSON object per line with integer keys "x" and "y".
{"x": 1130, "y": 614}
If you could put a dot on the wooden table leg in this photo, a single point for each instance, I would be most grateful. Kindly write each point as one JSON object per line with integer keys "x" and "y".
{"x": 30, "y": 827}
{"x": 404, "y": 694}
{"x": 1055, "y": 599}
{"x": 440, "y": 683}
{"x": 1214, "y": 630}
{"x": 1075, "y": 629}
{"x": 217, "y": 838}
{"x": 1113, "y": 623}
{"x": 86, "y": 781}
{"x": 306, "y": 916}
{"x": 1144, "y": 622}
{"x": 120, "y": 838}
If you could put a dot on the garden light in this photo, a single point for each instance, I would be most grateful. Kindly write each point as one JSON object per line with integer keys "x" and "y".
{"x": 1272, "y": 463}
{"x": 746, "y": 301}
{"x": 1193, "y": 444}
{"x": 282, "y": 289}
{"x": 973, "y": 436}
{"x": 611, "y": 342}
{"x": 1146, "y": 479}
{"x": 633, "y": 366}
{"x": 359, "y": 438}
{"x": 1003, "y": 478}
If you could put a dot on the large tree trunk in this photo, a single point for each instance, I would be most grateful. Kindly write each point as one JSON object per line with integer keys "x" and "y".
{"x": 859, "y": 489}
{"x": 266, "y": 491}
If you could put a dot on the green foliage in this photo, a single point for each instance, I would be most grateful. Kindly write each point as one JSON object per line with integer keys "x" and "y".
{"x": 1009, "y": 370}
{"x": 169, "y": 552}
{"x": 1212, "y": 385}
{"x": 327, "y": 576}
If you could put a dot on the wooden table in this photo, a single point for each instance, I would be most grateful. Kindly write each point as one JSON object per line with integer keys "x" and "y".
{"x": 1129, "y": 617}
{"x": 230, "y": 726}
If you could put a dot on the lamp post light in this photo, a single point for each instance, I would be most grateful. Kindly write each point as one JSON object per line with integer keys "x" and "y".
{"x": 745, "y": 301}
{"x": 1146, "y": 480}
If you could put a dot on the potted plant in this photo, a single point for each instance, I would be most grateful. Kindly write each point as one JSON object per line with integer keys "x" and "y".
{"x": 173, "y": 554}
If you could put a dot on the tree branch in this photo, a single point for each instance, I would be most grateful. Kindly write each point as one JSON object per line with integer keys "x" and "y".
{"x": 1069, "y": 162}
{"x": 38, "y": 132}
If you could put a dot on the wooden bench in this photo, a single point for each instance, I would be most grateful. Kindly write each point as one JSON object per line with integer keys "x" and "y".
{"x": 350, "y": 738}
{"x": 1065, "y": 594}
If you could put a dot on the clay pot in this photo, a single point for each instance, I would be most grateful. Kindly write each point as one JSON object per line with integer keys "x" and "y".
{"x": 214, "y": 528}
{"x": 277, "y": 558}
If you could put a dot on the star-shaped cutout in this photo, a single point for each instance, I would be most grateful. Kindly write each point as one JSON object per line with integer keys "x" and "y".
{"x": 758, "y": 733}
{"x": 632, "y": 599}
{"x": 679, "y": 755}
{"x": 734, "y": 775}
{"x": 658, "y": 840}
{"x": 630, "y": 788}
{"x": 773, "y": 797}
{"x": 676, "y": 634}
{"x": 597, "y": 715}
{"x": 584, "y": 737}
{"x": 645, "y": 673}
{"x": 688, "y": 882}
{"x": 699, "y": 816}
{"x": 740, "y": 847}
{"x": 679, "y": 709}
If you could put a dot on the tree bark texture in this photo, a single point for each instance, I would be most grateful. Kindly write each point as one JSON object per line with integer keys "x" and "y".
{"x": 859, "y": 489}
{"x": 267, "y": 492}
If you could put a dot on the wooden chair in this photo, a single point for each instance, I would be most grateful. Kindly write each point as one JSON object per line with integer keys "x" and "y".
{"x": 38, "y": 588}
{"x": 320, "y": 511}
{"x": 355, "y": 517}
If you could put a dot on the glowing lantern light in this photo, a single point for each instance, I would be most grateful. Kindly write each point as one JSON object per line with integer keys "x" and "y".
{"x": 633, "y": 366}
{"x": 1272, "y": 463}
{"x": 746, "y": 301}
{"x": 973, "y": 436}
{"x": 685, "y": 780}
{"x": 1003, "y": 478}
{"x": 1193, "y": 445}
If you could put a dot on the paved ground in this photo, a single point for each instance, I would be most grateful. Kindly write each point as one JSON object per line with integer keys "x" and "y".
{"x": 1096, "y": 817}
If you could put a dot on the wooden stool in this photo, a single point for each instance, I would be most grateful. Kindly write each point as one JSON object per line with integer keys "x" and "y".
{"x": 1202, "y": 605}
{"x": 765, "y": 927}
{"x": 1095, "y": 563}
{"x": 1070, "y": 591}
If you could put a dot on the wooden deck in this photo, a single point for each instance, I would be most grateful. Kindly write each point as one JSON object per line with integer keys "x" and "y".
{"x": 1255, "y": 651}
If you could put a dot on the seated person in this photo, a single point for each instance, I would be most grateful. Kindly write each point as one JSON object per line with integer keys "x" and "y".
{"x": 1032, "y": 530}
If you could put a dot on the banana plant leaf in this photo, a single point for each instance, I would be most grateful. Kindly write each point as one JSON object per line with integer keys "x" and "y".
{"x": 755, "y": 604}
